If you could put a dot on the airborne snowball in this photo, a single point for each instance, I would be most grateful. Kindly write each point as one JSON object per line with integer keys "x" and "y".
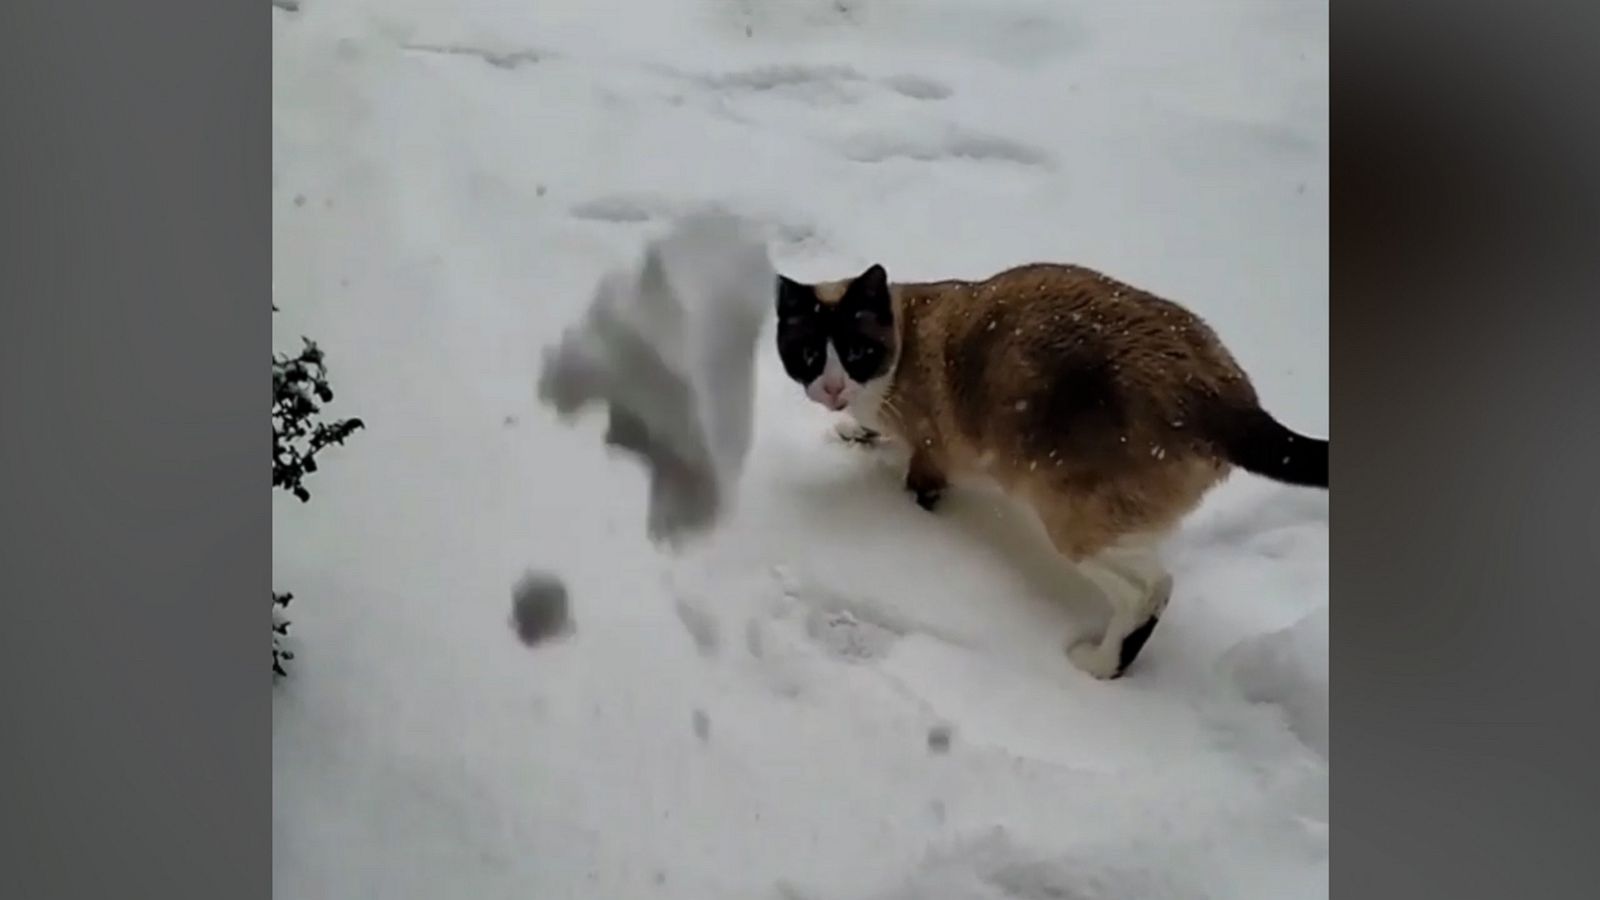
{"x": 539, "y": 608}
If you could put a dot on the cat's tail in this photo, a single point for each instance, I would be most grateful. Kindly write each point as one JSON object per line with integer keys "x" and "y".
{"x": 1255, "y": 441}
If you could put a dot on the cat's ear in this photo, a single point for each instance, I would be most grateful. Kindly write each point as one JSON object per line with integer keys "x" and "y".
{"x": 794, "y": 298}
{"x": 873, "y": 279}
{"x": 870, "y": 291}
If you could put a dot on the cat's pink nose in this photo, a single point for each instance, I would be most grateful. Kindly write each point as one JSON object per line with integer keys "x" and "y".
{"x": 834, "y": 395}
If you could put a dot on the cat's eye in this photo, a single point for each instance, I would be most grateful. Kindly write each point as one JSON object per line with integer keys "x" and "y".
{"x": 857, "y": 353}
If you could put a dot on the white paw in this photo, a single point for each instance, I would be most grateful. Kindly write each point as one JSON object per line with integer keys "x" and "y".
{"x": 1161, "y": 595}
{"x": 855, "y": 433}
{"x": 1098, "y": 662}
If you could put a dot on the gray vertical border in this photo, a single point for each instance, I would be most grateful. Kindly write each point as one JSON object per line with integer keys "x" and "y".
{"x": 1466, "y": 400}
{"x": 135, "y": 563}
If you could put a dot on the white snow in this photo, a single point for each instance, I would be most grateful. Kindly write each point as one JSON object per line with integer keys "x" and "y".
{"x": 837, "y": 696}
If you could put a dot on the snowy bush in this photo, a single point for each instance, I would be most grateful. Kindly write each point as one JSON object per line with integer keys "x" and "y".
{"x": 299, "y": 387}
{"x": 299, "y": 384}
{"x": 280, "y": 628}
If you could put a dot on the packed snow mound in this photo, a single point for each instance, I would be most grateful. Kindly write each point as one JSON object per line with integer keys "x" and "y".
{"x": 670, "y": 348}
{"x": 1289, "y": 668}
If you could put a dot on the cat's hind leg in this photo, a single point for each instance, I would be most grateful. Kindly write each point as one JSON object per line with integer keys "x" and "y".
{"x": 1138, "y": 589}
{"x": 1128, "y": 571}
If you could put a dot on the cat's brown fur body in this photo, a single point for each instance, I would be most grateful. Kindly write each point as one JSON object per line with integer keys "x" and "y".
{"x": 1108, "y": 410}
{"x": 1075, "y": 393}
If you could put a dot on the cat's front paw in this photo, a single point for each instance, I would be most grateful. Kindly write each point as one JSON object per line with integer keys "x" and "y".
{"x": 857, "y": 435}
{"x": 926, "y": 490}
{"x": 1095, "y": 660}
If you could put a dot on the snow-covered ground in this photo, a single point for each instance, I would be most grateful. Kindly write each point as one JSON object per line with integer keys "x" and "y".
{"x": 840, "y": 697}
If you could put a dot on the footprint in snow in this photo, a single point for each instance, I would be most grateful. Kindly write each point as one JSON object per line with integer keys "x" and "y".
{"x": 952, "y": 144}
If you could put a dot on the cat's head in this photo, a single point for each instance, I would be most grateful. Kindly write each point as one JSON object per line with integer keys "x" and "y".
{"x": 837, "y": 339}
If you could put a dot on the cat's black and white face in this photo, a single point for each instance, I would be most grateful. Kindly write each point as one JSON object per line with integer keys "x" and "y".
{"x": 838, "y": 340}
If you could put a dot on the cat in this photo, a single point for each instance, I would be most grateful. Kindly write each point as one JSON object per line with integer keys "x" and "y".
{"x": 1109, "y": 411}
